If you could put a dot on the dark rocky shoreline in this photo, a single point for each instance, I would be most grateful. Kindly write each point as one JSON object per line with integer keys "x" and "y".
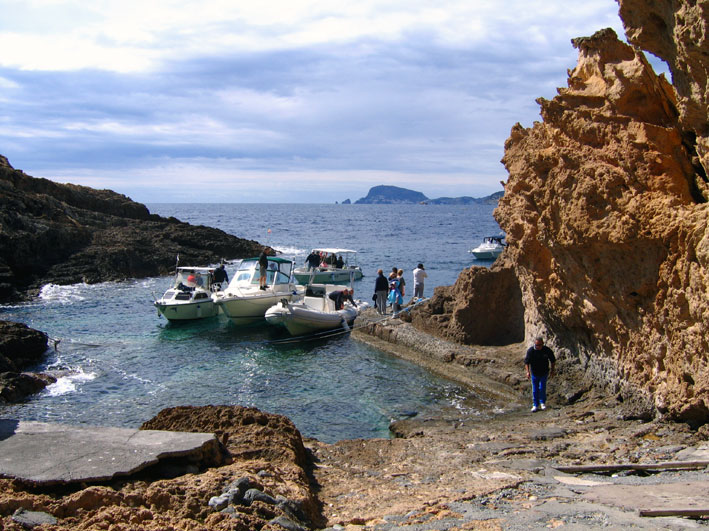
{"x": 65, "y": 234}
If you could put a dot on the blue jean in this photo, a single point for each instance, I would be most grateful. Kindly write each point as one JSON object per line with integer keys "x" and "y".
{"x": 539, "y": 389}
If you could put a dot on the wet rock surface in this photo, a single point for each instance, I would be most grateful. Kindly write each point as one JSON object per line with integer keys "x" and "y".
{"x": 21, "y": 347}
{"x": 64, "y": 234}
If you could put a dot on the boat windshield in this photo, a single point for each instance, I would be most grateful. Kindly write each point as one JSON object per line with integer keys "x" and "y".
{"x": 192, "y": 278}
{"x": 278, "y": 272}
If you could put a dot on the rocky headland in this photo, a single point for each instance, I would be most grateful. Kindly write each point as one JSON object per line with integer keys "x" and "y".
{"x": 395, "y": 195}
{"x": 64, "y": 234}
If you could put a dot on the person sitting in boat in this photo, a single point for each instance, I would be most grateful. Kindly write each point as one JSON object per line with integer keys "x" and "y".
{"x": 339, "y": 298}
{"x": 339, "y": 263}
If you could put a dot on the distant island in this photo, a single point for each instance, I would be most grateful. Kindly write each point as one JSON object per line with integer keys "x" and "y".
{"x": 392, "y": 195}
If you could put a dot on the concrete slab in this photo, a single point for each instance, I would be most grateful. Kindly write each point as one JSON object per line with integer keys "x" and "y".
{"x": 45, "y": 454}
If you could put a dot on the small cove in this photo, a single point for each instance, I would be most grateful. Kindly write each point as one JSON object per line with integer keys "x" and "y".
{"x": 121, "y": 363}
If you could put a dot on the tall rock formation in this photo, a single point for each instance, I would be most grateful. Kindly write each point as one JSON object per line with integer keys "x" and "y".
{"x": 607, "y": 218}
{"x": 606, "y": 215}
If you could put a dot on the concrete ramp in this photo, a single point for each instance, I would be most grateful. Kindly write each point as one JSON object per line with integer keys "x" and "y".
{"x": 47, "y": 454}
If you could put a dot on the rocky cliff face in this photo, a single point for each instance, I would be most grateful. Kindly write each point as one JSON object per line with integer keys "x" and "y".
{"x": 63, "y": 233}
{"x": 606, "y": 216}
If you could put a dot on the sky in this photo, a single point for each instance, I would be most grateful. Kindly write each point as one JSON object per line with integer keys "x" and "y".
{"x": 296, "y": 101}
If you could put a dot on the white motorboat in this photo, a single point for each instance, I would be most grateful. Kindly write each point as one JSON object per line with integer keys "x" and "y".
{"x": 244, "y": 302}
{"x": 489, "y": 249}
{"x": 328, "y": 271}
{"x": 190, "y": 296}
{"x": 315, "y": 312}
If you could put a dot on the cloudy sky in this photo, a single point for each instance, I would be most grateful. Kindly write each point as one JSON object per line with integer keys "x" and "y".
{"x": 279, "y": 101}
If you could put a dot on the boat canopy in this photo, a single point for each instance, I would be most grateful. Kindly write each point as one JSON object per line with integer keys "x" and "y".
{"x": 276, "y": 259}
{"x": 191, "y": 277}
{"x": 278, "y": 272}
{"x": 333, "y": 250}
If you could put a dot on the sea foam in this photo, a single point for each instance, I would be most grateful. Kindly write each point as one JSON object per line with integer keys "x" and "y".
{"x": 67, "y": 384}
{"x": 62, "y": 294}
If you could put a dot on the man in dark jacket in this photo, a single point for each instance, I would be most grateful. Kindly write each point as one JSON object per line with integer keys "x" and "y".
{"x": 220, "y": 275}
{"x": 381, "y": 290}
{"x": 537, "y": 363}
{"x": 339, "y": 297}
{"x": 313, "y": 260}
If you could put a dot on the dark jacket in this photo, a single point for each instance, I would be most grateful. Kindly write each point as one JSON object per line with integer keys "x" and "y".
{"x": 220, "y": 275}
{"x": 381, "y": 284}
{"x": 539, "y": 360}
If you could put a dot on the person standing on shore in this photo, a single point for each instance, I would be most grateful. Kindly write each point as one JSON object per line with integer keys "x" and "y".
{"x": 381, "y": 287}
{"x": 395, "y": 298}
{"x": 419, "y": 275}
{"x": 539, "y": 363}
{"x": 402, "y": 282}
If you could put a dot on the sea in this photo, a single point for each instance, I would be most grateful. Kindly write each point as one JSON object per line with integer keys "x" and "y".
{"x": 119, "y": 363}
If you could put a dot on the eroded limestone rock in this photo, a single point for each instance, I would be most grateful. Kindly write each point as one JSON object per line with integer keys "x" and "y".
{"x": 606, "y": 219}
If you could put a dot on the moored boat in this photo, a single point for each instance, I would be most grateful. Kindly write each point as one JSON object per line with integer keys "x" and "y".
{"x": 489, "y": 249}
{"x": 329, "y": 269}
{"x": 243, "y": 301}
{"x": 190, "y": 296}
{"x": 315, "y": 312}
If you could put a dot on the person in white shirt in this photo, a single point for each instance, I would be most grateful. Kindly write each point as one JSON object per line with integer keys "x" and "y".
{"x": 419, "y": 275}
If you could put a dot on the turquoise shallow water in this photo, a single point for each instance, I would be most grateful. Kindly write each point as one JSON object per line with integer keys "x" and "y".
{"x": 122, "y": 363}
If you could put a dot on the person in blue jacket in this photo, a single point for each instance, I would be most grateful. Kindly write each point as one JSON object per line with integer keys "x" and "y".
{"x": 395, "y": 297}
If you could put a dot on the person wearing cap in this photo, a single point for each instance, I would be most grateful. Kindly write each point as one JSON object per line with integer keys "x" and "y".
{"x": 419, "y": 275}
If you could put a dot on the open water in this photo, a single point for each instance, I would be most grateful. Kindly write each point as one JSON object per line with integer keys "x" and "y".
{"x": 122, "y": 363}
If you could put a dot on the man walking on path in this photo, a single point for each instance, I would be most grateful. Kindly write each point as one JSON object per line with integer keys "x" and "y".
{"x": 537, "y": 363}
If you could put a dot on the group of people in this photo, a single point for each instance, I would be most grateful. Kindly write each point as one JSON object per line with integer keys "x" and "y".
{"x": 392, "y": 290}
{"x": 322, "y": 259}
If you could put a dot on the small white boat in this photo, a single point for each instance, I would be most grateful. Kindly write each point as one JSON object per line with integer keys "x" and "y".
{"x": 244, "y": 302}
{"x": 489, "y": 249}
{"x": 315, "y": 312}
{"x": 190, "y": 296}
{"x": 331, "y": 273}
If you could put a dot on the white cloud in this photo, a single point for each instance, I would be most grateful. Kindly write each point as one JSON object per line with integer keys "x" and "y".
{"x": 128, "y": 95}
